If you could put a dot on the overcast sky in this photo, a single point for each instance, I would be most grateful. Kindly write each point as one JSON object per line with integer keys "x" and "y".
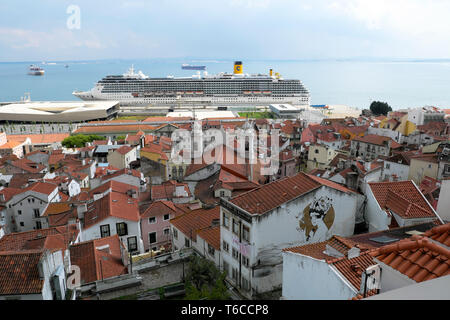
{"x": 225, "y": 29}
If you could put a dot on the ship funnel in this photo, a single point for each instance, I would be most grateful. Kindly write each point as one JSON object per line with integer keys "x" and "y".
{"x": 238, "y": 67}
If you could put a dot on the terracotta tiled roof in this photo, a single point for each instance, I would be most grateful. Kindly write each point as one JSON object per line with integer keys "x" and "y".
{"x": 115, "y": 128}
{"x": 40, "y": 138}
{"x": 28, "y": 165}
{"x": 114, "y": 204}
{"x": 8, "y": 193}
{"x": 403, "y": 198}
{"x": 417, "y": 257}
{"x": 154, "y": 148}
{"x": 96, "y": 263}
{"x": 352, "y": 269}
{"x": 161, "y": 207}
{"x": 273, "y": 194}
{"x": 19, "y": 273}
{"x": 56, "y": 208}
{"x": 211, "y": 235}
{"x": 42, "y": 187}
{"x": 373, "y": 139}
{"x": 115, "y": 186}
{"x": 10, "y": 145}
{"x": 192, "y": 221}
{"x": 313, "y": 250}
{"x": 131, "y": 172}
{"x": 124, "y": 150}
{"x": 167, "y": 190}
{"x": 440, "y": 234}
{"x": 331, "y": 184}
{"x": 51, "y": 238}
{"x": 163, "y": 119}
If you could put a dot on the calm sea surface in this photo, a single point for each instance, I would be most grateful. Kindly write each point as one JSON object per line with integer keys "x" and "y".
{"x": 401, "y": 84}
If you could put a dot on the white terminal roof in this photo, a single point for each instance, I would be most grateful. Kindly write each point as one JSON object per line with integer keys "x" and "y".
{"x": 200, "y": 115}
{"x": 57, "y": 111}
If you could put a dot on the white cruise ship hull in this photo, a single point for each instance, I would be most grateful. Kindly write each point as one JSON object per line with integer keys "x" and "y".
{"x": 129, "y": 100}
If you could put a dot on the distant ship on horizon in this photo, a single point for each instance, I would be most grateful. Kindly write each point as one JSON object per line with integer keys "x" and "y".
{"x": 189, "y": 67}
{"x": 35, "y": 71}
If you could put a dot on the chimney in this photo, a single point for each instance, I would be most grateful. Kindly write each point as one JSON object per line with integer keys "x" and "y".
{"x": 179, "y": 191}
{"x": 104, "y": 248}
{"x": 215, "y": 222}
{"x": 354, "y": 252}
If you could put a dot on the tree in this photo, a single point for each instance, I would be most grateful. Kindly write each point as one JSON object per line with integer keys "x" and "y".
{"x": 79, "y": 140}
{"x": 379, "y": 108}
{"x": 205, "y": 281}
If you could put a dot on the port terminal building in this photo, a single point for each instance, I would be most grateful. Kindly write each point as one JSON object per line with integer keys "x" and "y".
{"x": 67, "y": 111}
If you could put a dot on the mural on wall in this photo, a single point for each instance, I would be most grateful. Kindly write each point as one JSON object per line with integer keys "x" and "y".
{"x": 318, "y": 217}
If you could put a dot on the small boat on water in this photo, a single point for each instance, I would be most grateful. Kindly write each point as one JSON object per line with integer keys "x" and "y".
{"x": 35, "y": 71}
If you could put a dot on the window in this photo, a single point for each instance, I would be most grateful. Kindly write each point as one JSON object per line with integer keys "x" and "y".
{"x": 132, "y": 244}
{"x": 222, "y": 193}
{"x": 166, "y": 231}
{"x": 316, "y": 151}
{"x": 38, "y": 225}
{"x": 166, "y": 217}
{"x": 104, "y": 231}
{"x": 122, "y": 229}
{"x": 226, "y": 267}
{"x": 226, "y": 220}
{"x": 246, "y": 233}
{"x": 211, "y": 250}
{"x": 388, "y": 165}
{"x": 152, "y": 220}
{"x": 22, "y": 224}
{"x": 225, "y": 246}
{"x": 234, "y": 274}
{"x": 235, "y": 227}
{"x": 245, "y": 284}
{"x": 175, "y": 233}
{"x": 235, "y": 254}
{"x": 187, "y": 243}
{"x": 152, "y": 237}
{"x": 245, "y": 261}
{"x": 429, "y": 166}
{"x": 19, "y": 212}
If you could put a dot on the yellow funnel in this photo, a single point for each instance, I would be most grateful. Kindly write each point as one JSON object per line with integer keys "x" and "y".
{"x": 238, "y": 67}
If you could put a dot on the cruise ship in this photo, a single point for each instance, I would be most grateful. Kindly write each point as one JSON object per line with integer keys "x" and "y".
{"x": 237, "y": 88}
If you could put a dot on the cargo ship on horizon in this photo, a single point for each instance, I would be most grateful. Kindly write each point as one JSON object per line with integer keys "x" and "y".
{"x": 190, "y": 67}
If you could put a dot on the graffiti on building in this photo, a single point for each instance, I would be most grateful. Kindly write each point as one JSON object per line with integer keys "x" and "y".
{"x": 317, "y": 219}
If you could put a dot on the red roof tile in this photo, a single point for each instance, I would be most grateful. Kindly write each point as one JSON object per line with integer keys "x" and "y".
{"x": 61, "y": 236}
{"x": 403, "y": 198}
{"x": 19, "y": 273}
{"x": 273, "y": 194}
{"x": 211, "y": 235}
{"x": 161, "y": 207}
{"x": 352, "y": 269}
{"x": 191, "y": 222}
{"x": 417, "y": 257}
{"x": 373, "y": 139}
{"x": 114, "y": 204}
{"x": 440, "y": 234}
{"x": 96, "y": 261}
{"x": 124, "y": 150}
